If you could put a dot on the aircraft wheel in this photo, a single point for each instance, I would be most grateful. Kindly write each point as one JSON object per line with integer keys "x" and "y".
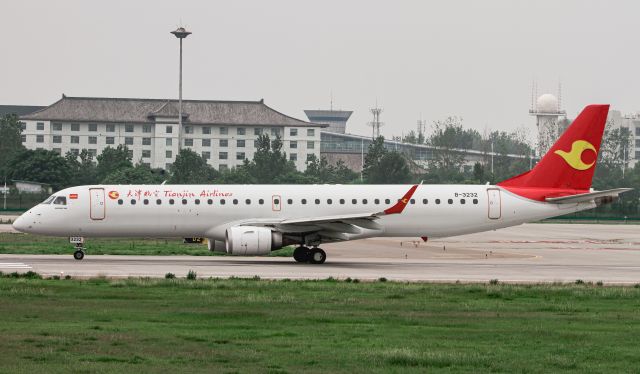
{"x": 78, "y": 255}
{"x": 301, "y": 254}
{"x": 317, "y": 256}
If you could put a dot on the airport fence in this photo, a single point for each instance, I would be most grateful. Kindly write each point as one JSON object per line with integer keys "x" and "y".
{"x": 18, "y": 202}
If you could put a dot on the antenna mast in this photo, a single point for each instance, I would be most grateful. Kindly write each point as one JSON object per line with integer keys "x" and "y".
{"x": 376, "y": 124}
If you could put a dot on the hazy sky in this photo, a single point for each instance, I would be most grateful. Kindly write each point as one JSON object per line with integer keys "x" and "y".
{"x": 474, "y": 59}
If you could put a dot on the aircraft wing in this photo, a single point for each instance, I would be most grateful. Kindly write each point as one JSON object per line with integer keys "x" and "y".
{"x": 337, "y": 226}
{"x": 589, "y": 196}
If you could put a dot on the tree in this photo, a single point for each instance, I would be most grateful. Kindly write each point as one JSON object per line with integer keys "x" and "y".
{"x": 190, "y": 168}
{"x": 139, "y": 174}
{"x": 82, "y": 168}
{"x": 270, "y": 164}
{"x": 449, "y": 138}
{"x": 10, "y": 140}
{"x": 391, "y": 169}
{"x": 112, "y": 159}
{"x": 320, "y": 171}
{"x": 40, "y": 166}
{"x": 375, "y": 152}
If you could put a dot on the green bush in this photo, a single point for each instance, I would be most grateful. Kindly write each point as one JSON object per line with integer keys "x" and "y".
{"x": 191, "y": 275}
{"x": 169, "y": 276}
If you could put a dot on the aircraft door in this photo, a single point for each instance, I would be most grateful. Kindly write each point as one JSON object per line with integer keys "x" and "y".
{"x": 495, "y": 203}
{"x": 276, "y": 203}
{"x": 96, "y": 203}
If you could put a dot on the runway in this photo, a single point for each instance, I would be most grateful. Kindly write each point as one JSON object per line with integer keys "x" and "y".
{"x": 531, "y": 253}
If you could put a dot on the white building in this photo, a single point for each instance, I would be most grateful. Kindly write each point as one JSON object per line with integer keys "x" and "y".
{"x": 223, "y": 132}
{"x": 632, "y": 122}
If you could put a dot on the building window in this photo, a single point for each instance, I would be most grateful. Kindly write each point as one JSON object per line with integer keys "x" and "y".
{"x": 57, "y": 127}
{"x": 93, "y": 127}
{"x": 57, "y": 138}
{"x": 130, "y": 153}
{"x": 111, "y": 128}
{"x": 206, "y": 142}
{"x": 74, "y": 151}
{"x": 223, "y": 167}
{"x": 75, "y": 139}
{"x": 637, "y": 143}
{"x": 93, "y": 140}
{"x": 128, "y": 140}
{"x": 188, "y": 129}
{"x": 23, "y": 138}
{"x": 241, "y": 131}
{"x": 128, "y": 128}
{"x": 169, "y": 154}
{"x": 39, "y": 138}
{"x": 240, "y": 143}
{"x": 110, "y": 140}
{"x": 169, "y": 129}
{"x": 75, "y": 127}
{"x": 224, "y": 142}
{"x": 168, "y": 142}
{"x": 256, "y": 143}
{"x": 206, "y": 155}
{"x": 311, "y": 145}
{"x": 293, "y": 132}
{"x": 257, "y": 131}
{"x": 40, "y": 126}
{"x": 92, "y": 152}
{"x": 23, "y": 126}
{"x": 146, "y": 128}
{"x": 224, "y": 131}
{"x": 293, "y": 157}
{"x": 146, "y": 141}
{"x": 58, "y": 151}
{"x": 222, "y": 155}
{"x": 293, "y": 144}
{"x": 146, "y": 153}
{"x": 188, "y": 142}
{"x": 206, "y": 130}
{"x": 275, "y": 131}
{"x": 310, "y": 157}
{"x": 240, "y": 156}
{"x": 637, "y": 130}
{"x": 311, "y": 132}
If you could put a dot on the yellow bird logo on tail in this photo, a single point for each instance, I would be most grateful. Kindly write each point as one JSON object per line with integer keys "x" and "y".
{"x": 574, "y": 156}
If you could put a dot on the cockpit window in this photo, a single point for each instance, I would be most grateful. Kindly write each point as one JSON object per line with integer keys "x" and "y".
{"x": 60, "y": 200}
{"x": 49, "y": 199}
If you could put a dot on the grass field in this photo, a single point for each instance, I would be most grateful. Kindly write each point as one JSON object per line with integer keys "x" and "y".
{"x": 254, "y": 326}
{"x": 35, "y": 244}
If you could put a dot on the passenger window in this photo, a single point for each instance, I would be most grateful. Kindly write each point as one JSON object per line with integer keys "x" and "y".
{"x": 450, "y": 201}
{"x": 146, "y": 202}
{"x": 235, "y": 201}
{"x": 317, "y": 201}
{"x": 120, "y": 202}
{"x": 387, "y": 201}
{"x": 171, "y": 201}
{"x": 354, "y": 201}
{"x": 462, "y": 201}
{"x": 261, "y": 201}
{"x": 475, "y": 201}
{"x": 184, "y": 201}
{"x": 133, "y": 202}
{"x": 376, "y": 201}
{"x": 412, "y": 201}
{"x": 210, "y": 202}
{"x": 159, "y": 202}
{"x": 197, "y": 201}
{"x": 425, "y": 201}
{"x": 248, "y": 201}
{"x": 222, "y": 202}
{"x": 303, "y": 201}
{"x": 341, "y": 201}
{"x": 275, "y": 201}
{"x": 289, "y": 201}
{"x": 437, "y": 201}
{"x": 364, "y": 201}
{"x": 60, "y": 200}
{"x": 329, "y": 201}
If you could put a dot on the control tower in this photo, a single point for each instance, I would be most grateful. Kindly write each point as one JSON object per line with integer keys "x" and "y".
{"x": 336, "y": 119}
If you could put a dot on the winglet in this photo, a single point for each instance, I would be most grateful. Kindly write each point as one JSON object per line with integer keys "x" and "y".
{"x": 402, "y": 203}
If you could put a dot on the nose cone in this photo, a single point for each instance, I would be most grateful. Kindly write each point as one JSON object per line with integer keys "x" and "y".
{"x": 20, "y": 224}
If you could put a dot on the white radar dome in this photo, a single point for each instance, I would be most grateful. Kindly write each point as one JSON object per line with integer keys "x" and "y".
{"x": 547, "y": 103}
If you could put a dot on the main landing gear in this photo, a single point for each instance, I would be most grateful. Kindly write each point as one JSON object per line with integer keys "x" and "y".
{"x": 313, "y": 255}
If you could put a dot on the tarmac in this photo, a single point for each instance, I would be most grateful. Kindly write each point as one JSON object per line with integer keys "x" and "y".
{"x": 530, "y": 253}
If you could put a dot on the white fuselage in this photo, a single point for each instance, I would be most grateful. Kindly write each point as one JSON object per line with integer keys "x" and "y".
{"x": 209, "y": 210}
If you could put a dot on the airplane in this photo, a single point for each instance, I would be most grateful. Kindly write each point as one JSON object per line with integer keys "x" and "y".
{"x": 252, "y": 220}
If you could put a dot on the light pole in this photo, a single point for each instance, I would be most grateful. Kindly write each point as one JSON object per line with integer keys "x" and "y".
{"x": 180, "y": 33}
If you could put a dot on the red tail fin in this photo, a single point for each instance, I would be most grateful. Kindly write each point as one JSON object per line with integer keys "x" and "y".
{"x": 571, "y": 161}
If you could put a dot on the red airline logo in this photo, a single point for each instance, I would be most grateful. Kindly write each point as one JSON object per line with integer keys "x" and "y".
{"x": 114, "y": 195}
{"x": 73, "y": 196}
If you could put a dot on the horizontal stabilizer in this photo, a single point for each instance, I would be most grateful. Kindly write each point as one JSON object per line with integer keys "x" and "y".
{"x": 589, "y": 196}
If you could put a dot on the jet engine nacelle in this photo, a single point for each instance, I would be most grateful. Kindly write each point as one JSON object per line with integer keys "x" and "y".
{"x": 252, "y": 241}
{"x": 216, "y": 245}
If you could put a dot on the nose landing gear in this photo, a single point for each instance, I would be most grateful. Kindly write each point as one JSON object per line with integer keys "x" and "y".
{"x": 78, "y": 254}
{"x": 78, "y": 241}
{"x": 313, "y": 255}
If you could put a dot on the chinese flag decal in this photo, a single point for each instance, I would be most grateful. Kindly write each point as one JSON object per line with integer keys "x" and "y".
{"x": 114, "y": 195}
{"x": 73, "y": 196}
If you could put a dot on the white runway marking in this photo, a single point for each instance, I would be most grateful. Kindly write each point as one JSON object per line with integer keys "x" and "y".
{"x": 14, "y": 265}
